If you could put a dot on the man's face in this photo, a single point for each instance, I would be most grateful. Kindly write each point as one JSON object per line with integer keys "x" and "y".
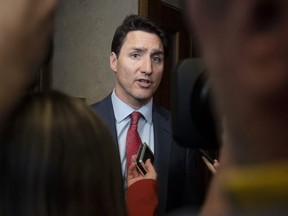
{"x": 138, "y": 68}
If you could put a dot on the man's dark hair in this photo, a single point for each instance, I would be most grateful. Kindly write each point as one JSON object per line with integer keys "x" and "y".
{"x": 137, "y": 23}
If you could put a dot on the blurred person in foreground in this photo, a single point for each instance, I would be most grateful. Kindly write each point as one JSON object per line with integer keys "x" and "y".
{"x": 244, "y": 44}
{"x": 58, "y": 158}
{"x": 26, "y": 29}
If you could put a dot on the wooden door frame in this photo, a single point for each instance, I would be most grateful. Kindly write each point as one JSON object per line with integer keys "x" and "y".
{"x": 151, "y": 9}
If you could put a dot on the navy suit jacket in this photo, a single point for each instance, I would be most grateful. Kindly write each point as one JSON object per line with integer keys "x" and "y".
{"x": 177, "y": 180}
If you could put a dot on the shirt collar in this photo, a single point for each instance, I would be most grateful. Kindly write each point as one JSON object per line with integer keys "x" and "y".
{"x": 124, "y": 110}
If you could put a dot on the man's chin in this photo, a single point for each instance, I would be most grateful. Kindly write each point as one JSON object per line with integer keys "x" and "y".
{"x": 144, "y": 98}
{"x": 144, "y": 94}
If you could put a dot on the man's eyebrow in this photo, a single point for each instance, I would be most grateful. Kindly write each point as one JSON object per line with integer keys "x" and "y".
{"x": 154, "y": 52}
{"x": 157, "y": 52}
{"x": 138, "y": 49}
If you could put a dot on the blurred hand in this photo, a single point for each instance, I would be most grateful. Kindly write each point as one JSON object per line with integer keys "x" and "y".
{"x": 212, "y": 167}
{"x": 134, "y": 175}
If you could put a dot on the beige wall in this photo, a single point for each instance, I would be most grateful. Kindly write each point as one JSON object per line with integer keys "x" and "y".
{"x": 83, "y": 34}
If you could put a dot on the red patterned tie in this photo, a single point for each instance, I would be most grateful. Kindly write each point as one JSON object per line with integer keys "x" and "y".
{"x": 133, "y": 140}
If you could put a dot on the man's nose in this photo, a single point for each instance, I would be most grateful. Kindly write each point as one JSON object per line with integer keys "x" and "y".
{"x": 147, "y": 66}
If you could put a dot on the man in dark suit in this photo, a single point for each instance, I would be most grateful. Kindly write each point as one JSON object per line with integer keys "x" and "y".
{"x": 137, "y": 59}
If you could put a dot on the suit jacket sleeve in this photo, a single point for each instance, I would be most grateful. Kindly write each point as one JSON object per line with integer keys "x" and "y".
{"x": 142, "y": 198}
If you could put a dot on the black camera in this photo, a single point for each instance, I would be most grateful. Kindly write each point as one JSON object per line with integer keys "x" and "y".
{"x": 193, "y": 118}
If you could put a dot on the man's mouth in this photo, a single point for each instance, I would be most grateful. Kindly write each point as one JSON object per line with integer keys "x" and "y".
{"x": 144, "y": 83}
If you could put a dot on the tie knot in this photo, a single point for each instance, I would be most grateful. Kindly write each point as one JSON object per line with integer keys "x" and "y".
{"x": 135, "y": 116}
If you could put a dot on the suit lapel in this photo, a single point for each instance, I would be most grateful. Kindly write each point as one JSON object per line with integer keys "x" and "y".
{"x": 111, "y": 122}
{"x": 107, "y": 113}
{"x": 105, "y": 110}
{"x": 162, "y": 145}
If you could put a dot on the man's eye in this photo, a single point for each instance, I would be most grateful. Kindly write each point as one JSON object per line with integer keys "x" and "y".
{"x": 157, "y": 59}
{"x": 135, "y": 55}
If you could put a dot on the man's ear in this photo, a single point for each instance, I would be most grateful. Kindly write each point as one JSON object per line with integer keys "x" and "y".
{"x": 113, "y": 61}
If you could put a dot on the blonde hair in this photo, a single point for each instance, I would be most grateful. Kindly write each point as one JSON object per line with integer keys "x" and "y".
{"x": 58, "y": 158}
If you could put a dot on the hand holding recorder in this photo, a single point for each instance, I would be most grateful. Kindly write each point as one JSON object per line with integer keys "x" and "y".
{"x": 144, "y": 153}
{"x": 212, "y": 164}
{"x": 141, "y": 166}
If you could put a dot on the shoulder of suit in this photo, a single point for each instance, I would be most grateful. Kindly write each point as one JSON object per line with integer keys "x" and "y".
{"x": 162, "y": 111}
{"x": 102, "y": 103}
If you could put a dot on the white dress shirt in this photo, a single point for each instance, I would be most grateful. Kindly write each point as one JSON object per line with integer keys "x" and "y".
{"x": 145, "y": 126}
